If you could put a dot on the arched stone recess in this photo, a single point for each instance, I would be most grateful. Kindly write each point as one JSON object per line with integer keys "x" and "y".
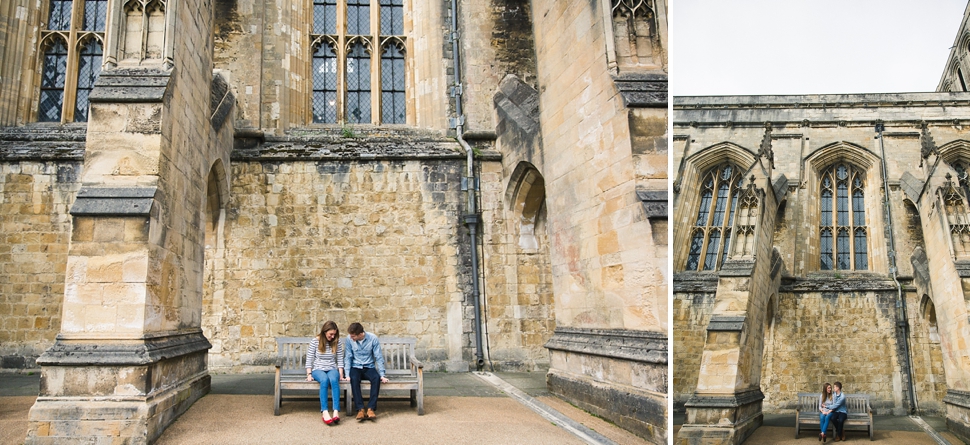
{"x": 687, "y": 200}
{"x": 213, "y": 276}
{"x": 928, "y": 372}
{"x": 864, "y": 163}
{"x": 518, "y": 338}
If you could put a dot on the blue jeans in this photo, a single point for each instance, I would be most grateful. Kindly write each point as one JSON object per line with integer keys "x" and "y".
{"x": 823, "y": 420}
{"x": 327, "y": 379}
{"x": 372, "y": 376}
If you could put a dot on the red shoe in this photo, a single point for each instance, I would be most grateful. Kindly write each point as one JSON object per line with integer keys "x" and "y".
{"x": 326, "y": 420}
{"x": 335, "y": 420}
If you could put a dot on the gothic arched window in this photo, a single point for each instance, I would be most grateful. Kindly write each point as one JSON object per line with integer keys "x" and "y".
{"x": 72, "y": 52}
{"x": 711, "y": 235}
{"x": 843, "y": 241}
{"x": 348, "y": 53}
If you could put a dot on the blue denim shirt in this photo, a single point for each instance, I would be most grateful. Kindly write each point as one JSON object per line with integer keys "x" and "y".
{"x": 838, "y": 403}
{"x": 363, "y": 354}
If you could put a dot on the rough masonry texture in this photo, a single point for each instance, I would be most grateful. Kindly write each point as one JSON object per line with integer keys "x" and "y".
{"x": 206, "y": 206}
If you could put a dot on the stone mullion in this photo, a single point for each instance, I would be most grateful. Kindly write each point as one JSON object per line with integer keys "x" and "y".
{"x": 341, "y": 60}
{"x": 707, "y": 239}
{"x": 70, "y": 77}
{"x": 375, "y": 62}
{"x": 19, "y": 54}
{"x": 112, "y": 27}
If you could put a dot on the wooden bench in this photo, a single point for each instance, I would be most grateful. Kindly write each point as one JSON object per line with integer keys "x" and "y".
{"x": 403, "y": 371}
{"x": 859, "y": 413}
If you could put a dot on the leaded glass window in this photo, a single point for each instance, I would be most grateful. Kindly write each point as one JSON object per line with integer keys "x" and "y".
{"x": 72, "y": 55}
{"x": 325, "y": 17}
{"x": 843, "y": 241}
{"x": 59, "y": 17}
{"x": 52, "y": 81}
{"x": 716, "y": 208}
{"x": 89, "y": 66}
{"x": 392, "y": 84}
{"x": 325, "y": 84}
{"x": 359, "y": 72}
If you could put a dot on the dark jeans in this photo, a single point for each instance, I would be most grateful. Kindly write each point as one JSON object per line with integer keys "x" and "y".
{"x": 838, "y": 419}
{"x": 372, "y": 376}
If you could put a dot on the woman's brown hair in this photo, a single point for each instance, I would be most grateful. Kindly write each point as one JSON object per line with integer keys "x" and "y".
{"x": 825, "y": 394}
{"x": 322, "y": 337}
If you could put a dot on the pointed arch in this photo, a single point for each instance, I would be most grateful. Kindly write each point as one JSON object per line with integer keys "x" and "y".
{"x": 526, "y": 197}
{"x": 955, "y": 150}
{"x": 703, "y": 187}
{"x": 842, "y": 180}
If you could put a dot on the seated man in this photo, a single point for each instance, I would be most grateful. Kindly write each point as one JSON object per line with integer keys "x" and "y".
{"x": 362, "y": 354}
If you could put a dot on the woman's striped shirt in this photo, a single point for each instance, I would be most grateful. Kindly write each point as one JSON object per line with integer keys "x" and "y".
{"x": 323, "y": 361}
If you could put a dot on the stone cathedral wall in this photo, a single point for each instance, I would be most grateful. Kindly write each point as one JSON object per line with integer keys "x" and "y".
{"x": 34, "y": 232}
{"x": 821, "y": 337}
{"x": 372, "y": 241}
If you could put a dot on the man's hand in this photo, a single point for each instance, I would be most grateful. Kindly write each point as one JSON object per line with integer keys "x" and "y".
{"x": 384, "y": 380}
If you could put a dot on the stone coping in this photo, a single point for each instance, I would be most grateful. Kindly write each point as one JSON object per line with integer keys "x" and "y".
{"x": 43, "y": 142}
{"x": 641, "y": 346}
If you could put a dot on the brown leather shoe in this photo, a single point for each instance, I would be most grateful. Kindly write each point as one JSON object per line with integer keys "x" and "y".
{"x": 371, "y": 415}
{"x": 361, "y": 415}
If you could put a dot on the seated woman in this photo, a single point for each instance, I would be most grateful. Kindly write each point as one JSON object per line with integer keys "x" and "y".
{"x": 324, "y": 363}
{"x": 825, "y": 414}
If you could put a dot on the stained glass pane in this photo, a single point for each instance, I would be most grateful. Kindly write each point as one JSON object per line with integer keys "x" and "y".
{"x": 694, "y": 255}
{"x": 727, "y": 245}
{"x": 358, "y": 85}
{"x": 325, "y": 17}
{"x": 842, "y": 250}
{"x": 710, "y": 258}
{"x": 52, "y": 83}
{"x": 842, "y": 203}
{"x": 392, "y": 85}
{"x": 358, "y": 17}
{"x": 734, "y": 205}
{"x": 705, "y": 208}
{"x": 392, "y": 17}
{"x": 325, "y": 85}
{"x": 721, "y": 205}
{"x": 95, "y": 12}
{"x": 89, "y": 66}
{"x": 861, "y": 250}
{"x": 858, "y": 209}
{"x": 60, "y": 15}
{"x": 826, "y": 249}
{"x": 826, "y": 204}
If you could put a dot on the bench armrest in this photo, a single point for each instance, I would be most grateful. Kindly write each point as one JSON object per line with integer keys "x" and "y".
{"x": 279, "y": 362}
{"x": 415, "y": 362}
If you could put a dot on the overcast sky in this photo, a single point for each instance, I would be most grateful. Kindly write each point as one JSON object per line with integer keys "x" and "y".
{"x": 727, "y": 47}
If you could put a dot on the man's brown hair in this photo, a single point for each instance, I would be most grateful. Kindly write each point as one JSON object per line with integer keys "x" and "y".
{"x": 838, "y": 384}
{"x": 355, "y": 328}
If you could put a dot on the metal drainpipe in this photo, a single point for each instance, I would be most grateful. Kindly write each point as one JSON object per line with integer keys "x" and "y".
{"x": 900, "y": 301}
{"x": 471, "y": 218}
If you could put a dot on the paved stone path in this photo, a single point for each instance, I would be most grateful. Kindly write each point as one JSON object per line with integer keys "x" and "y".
{"x": 461, "y": 408}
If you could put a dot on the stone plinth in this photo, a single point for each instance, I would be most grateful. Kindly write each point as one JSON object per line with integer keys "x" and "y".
{"x": 125, "y": 391}
{"x": 721, "y": 419}
{"x": 614, "y": 373}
